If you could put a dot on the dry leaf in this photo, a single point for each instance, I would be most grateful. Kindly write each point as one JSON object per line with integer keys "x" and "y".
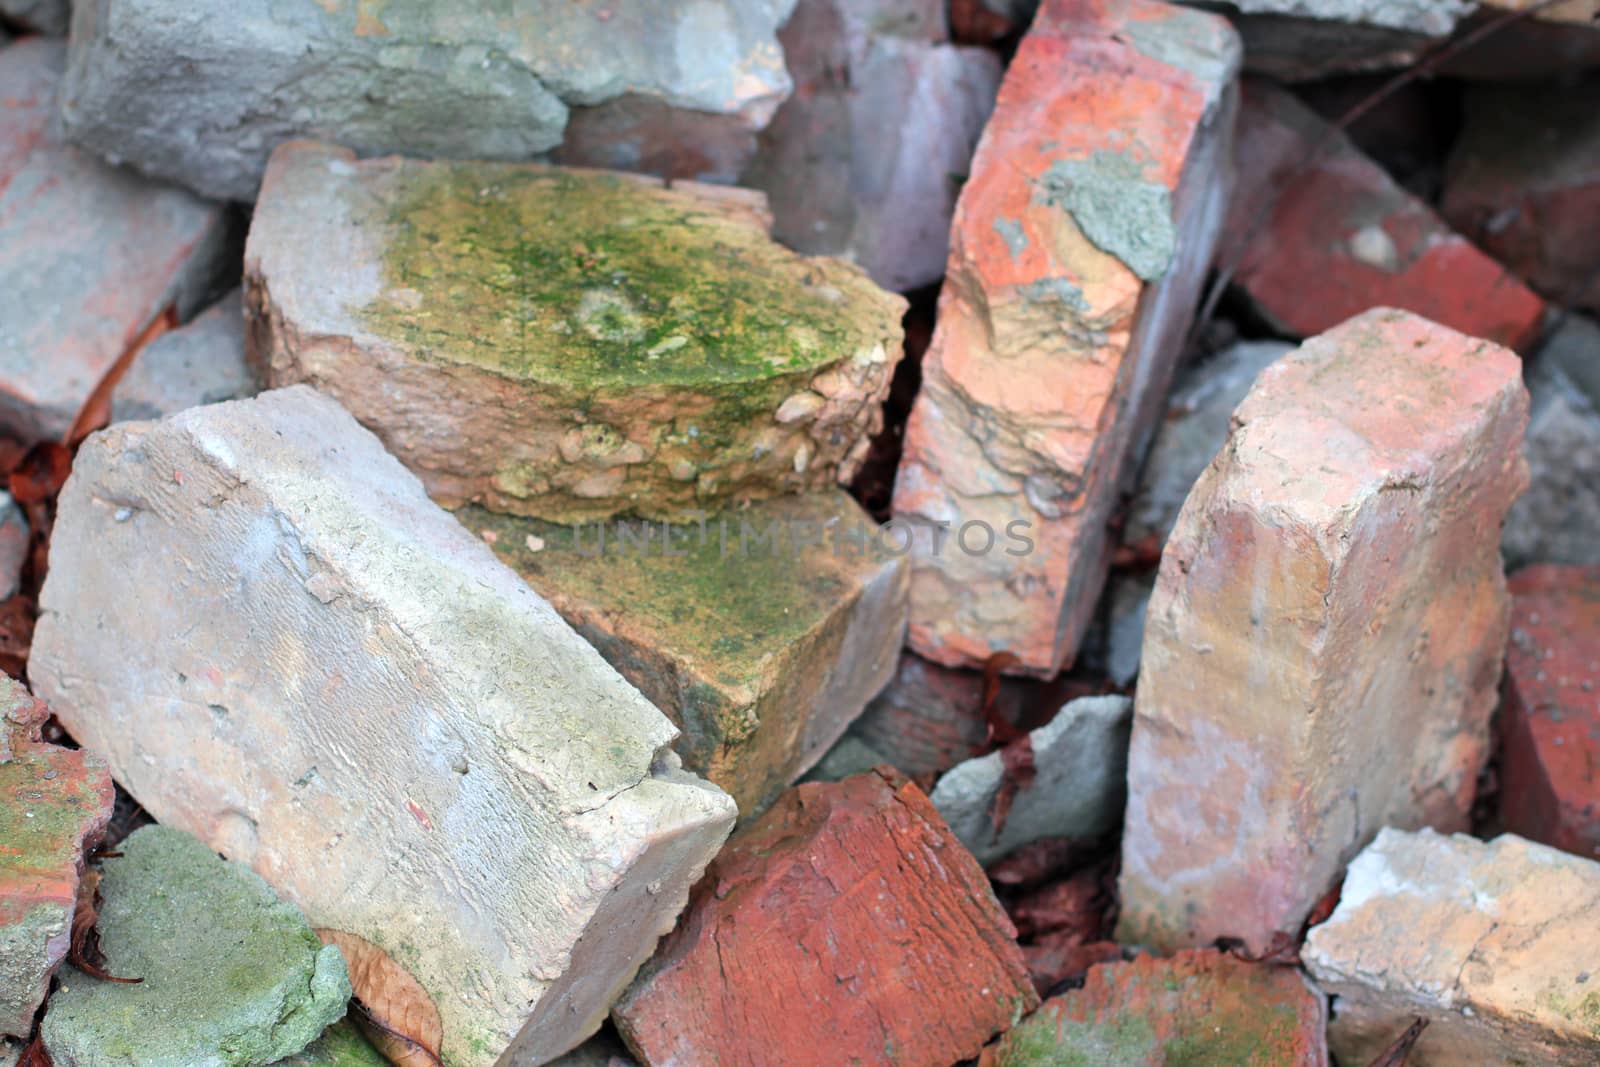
{"x": 1395, "y": 1055}
{"x": 35, "y": 1055}
{"x": 390, "y": 1006}
{"x": 41, "y": 474}
{"x": 84, "y": 950}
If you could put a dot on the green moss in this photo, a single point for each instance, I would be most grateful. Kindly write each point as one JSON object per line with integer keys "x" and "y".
{"x": 585, "y": 280}
{"x": 341, "y": 1045}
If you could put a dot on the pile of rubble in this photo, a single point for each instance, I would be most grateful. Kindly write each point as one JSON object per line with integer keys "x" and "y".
{"x": 452, "y": 548}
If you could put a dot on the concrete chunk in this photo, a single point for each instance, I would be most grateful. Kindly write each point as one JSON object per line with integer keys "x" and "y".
{"x": 1078, "y": 250}
{"x": 1323, "y": 649}
{"x": 201, "y": 363}
{"x": 567, "y": 344}
{"x": 286, "y": 649}
{"x": 762, "y": 633}
{"x": 1494, "y": 944}
{"x": 88, "y": 253}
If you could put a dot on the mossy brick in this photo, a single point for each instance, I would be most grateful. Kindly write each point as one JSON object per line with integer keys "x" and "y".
{"x": 341, "y": 1045}
{"x": 762, "y": 633}
{"x": 54, "y": 803}
{"x": 1493, "y": 943}
{"x": 230, "y": 976}
{"x": 563, "y": 343}
{"x": 1195, "y": 1008}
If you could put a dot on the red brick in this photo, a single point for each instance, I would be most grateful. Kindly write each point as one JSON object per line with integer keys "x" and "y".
{"x": 847, "y": 926}
{"x": 1196, "y": 1007}
{"x": 1550, "y": 721}
{"x": 1077, "y": 253}
{"x": 1343, "y": 237}
{"x": 1524, "y": 182}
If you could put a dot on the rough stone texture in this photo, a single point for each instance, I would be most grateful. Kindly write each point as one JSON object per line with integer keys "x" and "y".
{"x": 1127, "y": 603}
{"x": 866, "y": 158}
{"x": 603, "y": 1050}
{"x": 1199, "y": 411}
{"x": 1524, "y": 182}
{"x": 761, "y": 634}
{"x": 1550, "y": 721}
{"x": 1081, "y": 762}
{"x": 1077, "y": 255}
{"x": 14, "y": 539}
{"x": 40, "y": 16}
{"x": 465, "y": 81}
{"x": 54, "y": 803}
{"x": 849, "y": 902}
{"x": 230, "y": 975}
{"x": 1197, "y": 1007}
{"x": 1555, "y": 519}
{"x": 202, "y": 363}
{"x": 1347, "y": 232}
{"x": 88, "y": 254}
{"x": 1324, "y": 645}
{"x": 569, "y": 344}
{"x": 1494, "y": 944}
{"x": 360, "y": 681}
{"x": 341, "y": 1045}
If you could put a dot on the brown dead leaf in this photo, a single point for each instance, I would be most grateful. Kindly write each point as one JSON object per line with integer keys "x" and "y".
{"x": 390, "y": 1006}
{"x": 84, "y": 950}
{"x": 96, "y": 411}
{"x": 42, "y": 473}
{"x": 1395, "y": 1055}
{"x": 35, "y": 1055}
{"x": 1017, "y": 773}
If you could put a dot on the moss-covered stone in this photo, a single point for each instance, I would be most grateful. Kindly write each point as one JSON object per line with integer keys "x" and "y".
{"x": 341, "y": 1045}
{"x": 1197, "y": 1009}
{"x": 231, "y": 975}
{"x": 762, "y": 632}
{"x": 565, "y": 343}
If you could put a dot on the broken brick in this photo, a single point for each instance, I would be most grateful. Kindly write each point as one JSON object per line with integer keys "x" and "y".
{"x": 1313, "y": 248}
{"x": 1324, "y": 644}
{"x": 1550, "y": 723}
{"x": 848, "y": 902}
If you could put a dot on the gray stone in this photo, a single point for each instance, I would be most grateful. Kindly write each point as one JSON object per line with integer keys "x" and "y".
{"x": 230, "y": 976}
{"x": 866, "y": 158}
{"x": 1191, "y": 435}
{"x": 1081, "y": 761}
{"x": 1127, "y": 601}
{"x": 603, "y": 1050}
{"x": 1495, "y": 945}
{"x": 341, "y": 1045}
{"x": 14, "y": 538}
{"x": 201, "y": 363}
{"x": 849, "y": 757}
{"x": 1556, "y": 519}
{"x": 485, "y": 79}
{"x": 48, "y": 17}
{"x": 88, "y": 254}
{"x": 1300, "y": 40}
{"x": 284, "y": 647}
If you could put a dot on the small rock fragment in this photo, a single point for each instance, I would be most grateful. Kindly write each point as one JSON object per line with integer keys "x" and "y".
{"x": 761, "y": 633}
{"x": 472, "y": 80}
{"x": 284, "y": 647}
{"x": 1346, "y": 231}
{"x": 849, "y": 902}
{"x": 1324, "y": 645}
{"x": 88, "y": 253}
{"x": 1200, "y": 1007}
{"x": 566, "y": 344}
{"x": 1080, "y": 762}
{"x": 866, "y": 158}
{"x": 1555, "y": 520}
{"x": 229, "y": 974}
{"x": 201, "y": 363}
{"x": 15, "y": 536}
{"x": 1523, "y": 181}
{"x": 54, "y": 804}
{"x": 602, "y": 1050}
{"x": 1550, "y": 721}
{"x": 341, "y": 1045}
{"x": 1077, "y": 254}
{"x": 1494, "y": 944}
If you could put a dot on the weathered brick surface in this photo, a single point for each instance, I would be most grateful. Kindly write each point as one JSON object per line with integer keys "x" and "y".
{"x": 846, "y": 926}
{"x": 1343, "y": 237}
{"x": 1524, "y": 182}
{"x": 200, "y": 363}
{"x": 54, "y": 803}
{"x": 1550, "y": 721}
{"x": 566, "y": 344}
{"x": 1494, "y": 944}
{"x": 285, "y": 648}
{"x": 761, "y": 634}
{"x": 88, "y": 253}
{"x": 1325, "y": 640}
{"x": 1077, "y": 254}
{"x": 1196, "y": 1007}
